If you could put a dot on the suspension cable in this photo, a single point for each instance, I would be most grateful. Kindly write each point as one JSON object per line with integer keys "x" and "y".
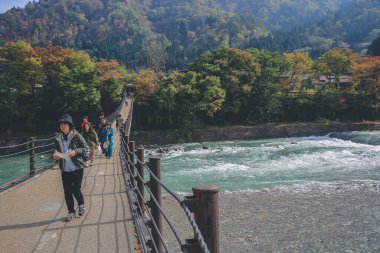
{"x": 44, "y": 152}
{"x": 157, "y": 204}
{"x": 17, "y": 153}
{"x": 37, "y": 140}
{"x": 132, "y": 188}
{"x": 42, "y": 146}
{"x": 17, "y": 145}
{"x": 194, "y": 225}
{"x": 20, "y": 152}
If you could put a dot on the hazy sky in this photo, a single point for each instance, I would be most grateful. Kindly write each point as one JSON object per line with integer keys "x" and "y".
{"x": 8, "y": 4}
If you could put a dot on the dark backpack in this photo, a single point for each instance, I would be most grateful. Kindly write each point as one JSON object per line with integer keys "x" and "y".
{"x": 87, "y": 156}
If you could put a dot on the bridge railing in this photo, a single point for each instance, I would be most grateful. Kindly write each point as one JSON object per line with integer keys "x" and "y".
{"x": 201, "y": 209}
{"x": 36, "y": 153}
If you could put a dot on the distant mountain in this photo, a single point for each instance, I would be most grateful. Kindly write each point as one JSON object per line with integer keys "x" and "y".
{"x": 171, "y": 33}
{"x": 283, "y": 14}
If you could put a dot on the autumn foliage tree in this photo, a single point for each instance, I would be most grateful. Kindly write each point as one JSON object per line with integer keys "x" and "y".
{"x": 69, "y": 83}
{"x": 146, "y": 84}
{"x": 298, "y": 66}
{"x": 336, "y": 62}
{"x": 366, "y": 79}
{"x": 110, "y": 81}
{"x": 223, "y": 86}
{"x": 38, "y": 84}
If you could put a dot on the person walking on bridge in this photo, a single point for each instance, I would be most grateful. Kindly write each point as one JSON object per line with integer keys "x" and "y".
{"x": 84, "y": 121}
{"x": 70, "y": 147}
{"x": 108, "y": 139}
{"x": 91, "y": 139}
{"x": 101, "y": 126}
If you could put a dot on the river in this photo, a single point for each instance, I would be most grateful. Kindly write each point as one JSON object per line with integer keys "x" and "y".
{"x": 257, "y": 164}
{"x": 17, "y": 166}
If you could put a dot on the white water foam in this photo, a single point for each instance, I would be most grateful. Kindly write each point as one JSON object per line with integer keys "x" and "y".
{"x": 242, "y": 165}
{"x": 218, "y": 168}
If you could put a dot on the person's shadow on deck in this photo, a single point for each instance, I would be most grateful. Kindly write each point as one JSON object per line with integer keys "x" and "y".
{"x": 30, "y": 225}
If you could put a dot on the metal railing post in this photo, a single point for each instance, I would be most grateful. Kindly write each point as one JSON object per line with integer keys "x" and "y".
{"x": 140, "y": 170}
{"x": 155, "y": 188}
{"x": 126, "y": 137}
{"x": 32, "y": 152}
{"x": 118, "y": 122}
{"x": 121, "y": 125}
{"x": 131, "y": 146}
{"x": 204, "y": 204}
{"x": 126, "y": 141}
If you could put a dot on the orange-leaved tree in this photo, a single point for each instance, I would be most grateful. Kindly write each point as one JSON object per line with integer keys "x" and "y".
{"x": 366, "y": 78}
{"x": 111, "y": 78}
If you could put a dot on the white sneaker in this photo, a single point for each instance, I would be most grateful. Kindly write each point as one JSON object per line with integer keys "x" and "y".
{"x": 81, "y": 210}
{"x": 70, "y": 217}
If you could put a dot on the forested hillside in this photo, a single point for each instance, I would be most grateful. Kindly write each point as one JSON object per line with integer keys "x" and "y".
{"x": 169, "y": 34}
{"x": 279, "y": 15}
{"x": 222, "y": 87}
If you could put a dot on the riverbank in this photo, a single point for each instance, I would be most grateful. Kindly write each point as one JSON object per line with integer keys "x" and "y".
{"x": 331, "y": 217}
{"x": 262, "y": 131}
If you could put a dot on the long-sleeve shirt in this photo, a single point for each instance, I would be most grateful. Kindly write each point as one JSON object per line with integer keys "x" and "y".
{"x": 107, "y": 134}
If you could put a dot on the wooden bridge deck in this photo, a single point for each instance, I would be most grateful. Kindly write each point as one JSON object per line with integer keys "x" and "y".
{"x": 31, "y": 214}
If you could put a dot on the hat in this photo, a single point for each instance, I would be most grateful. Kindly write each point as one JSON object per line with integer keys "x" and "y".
{"x": 108, "y": 122}
{"x": 66, "y": 118}
{"x": 101, "y": 114}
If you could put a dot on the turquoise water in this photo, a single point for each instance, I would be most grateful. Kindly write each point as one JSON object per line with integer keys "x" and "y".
{"x": 257, "y": 164}
{"x": 17, "y": 166}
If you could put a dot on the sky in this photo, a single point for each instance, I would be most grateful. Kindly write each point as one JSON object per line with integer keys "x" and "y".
{"x": 8, "y": 4}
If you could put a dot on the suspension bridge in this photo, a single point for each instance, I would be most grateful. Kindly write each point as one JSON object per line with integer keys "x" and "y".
{"x": 124, "y": 207}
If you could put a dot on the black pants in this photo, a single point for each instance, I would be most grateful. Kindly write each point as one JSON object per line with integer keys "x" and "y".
{"x": 71, "y": 186}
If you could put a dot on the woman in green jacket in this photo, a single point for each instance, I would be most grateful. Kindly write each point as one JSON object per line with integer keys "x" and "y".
{"x": 91, "y": 139}
{"x": 70, "y": 147}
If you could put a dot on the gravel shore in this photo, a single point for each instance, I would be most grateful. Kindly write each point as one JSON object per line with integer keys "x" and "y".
{"x": 334, "y": 217}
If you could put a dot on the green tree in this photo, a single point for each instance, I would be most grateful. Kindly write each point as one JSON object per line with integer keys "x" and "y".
{"x": 20, "y": 72}
{"x": 210, "y": 95}
{"x": 264, "y": 104}
{"x": 237, "y": 71}
{"x": 70, "y": 84}
{"x": 186, "y": 97}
